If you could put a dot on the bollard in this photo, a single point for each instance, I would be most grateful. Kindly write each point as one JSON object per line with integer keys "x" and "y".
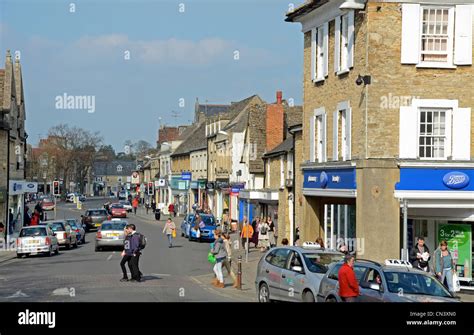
{"x": 239, "y": 272}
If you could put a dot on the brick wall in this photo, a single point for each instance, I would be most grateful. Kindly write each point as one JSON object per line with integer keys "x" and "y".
{"x": 274, "y": 124}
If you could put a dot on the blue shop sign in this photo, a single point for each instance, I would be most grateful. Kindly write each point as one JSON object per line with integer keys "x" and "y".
{"x": 194, "y": 185}
{"x": 186, "y": 176}
{"x": 429, "y": 179}
{"x": 344, "y": 179}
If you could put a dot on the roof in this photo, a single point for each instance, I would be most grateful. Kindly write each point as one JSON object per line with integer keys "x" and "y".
{"x": 294, "y": 116}
{"x": 240, "y": 113}
{"x": 196, "y": 140}
{"x": 283, "y": 147}
{"x": 303, "y": 9}
{"x": 110, "y": 168}
{"x": 211, "y": 110}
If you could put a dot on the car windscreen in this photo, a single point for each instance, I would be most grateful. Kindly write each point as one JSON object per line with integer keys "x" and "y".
{"x": 73, "y": 224}
{"x": 97, "y": 213}
{"x": 123, "y": 202}
{"x": 208, "y": 220}
{"x": 47, "y": 200}
{"x": 113, "y": 226}
{"x": 57, "y": 226}
{"x": 318, "y": 262}
{"x": 116, "y": 206}
{"x": 415, "y": 283}
{"x": 32, "y": 232}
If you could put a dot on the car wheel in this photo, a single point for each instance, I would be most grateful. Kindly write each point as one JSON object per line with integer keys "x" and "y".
{"x": 50, "y": 252}
{"x": 263, "y": 293}
{"x": 308, "y": 296}
{"x": 84, "y": 240}
{"x": 57, "y": 250}
{"x": 68, "y": 245}
{"x": 19, "y": 255}
{"x": 98, "y": 249}
{"x": 75, "y": 244}
{"x": 331, "y": 299}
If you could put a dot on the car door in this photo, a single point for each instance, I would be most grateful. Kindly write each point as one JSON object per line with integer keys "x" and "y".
{"x": 366, "y": 293}
{"x": 54, "y": 239}
{"x": 272, "y": 270}
{"x": 292, "y": 282}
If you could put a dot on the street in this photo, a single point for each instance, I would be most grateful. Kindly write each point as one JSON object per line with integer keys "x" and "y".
{"x": 178, "y": 274}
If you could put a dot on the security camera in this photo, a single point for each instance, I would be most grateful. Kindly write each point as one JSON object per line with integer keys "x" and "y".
{"x": 359, "y": 80}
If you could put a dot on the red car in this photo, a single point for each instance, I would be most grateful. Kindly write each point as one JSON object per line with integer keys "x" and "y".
{"x": 118, "y": 211}
{"x": 47, "y": 204}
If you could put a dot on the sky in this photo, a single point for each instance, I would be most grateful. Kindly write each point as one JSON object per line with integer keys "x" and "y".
{"x": 144, "y": 62}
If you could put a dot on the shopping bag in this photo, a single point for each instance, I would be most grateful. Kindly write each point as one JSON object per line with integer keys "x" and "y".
{"x": 456, "y": 284}
{"x": 211, "y": 258}
{"x": 173, "y": 233}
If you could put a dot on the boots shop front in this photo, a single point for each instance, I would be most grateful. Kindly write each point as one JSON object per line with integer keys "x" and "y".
{"x": 438, "y": 201}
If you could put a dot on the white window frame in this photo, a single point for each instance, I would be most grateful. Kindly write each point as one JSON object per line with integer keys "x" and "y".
{"x": 282, "y": 171}
{"x": 289, "y": 165}
{"x": 319, "y": 142}
{"x": 450, "y": 47}
{"x": 268, "y": 173}
{"x": 344, "y": 112}
{"x": 448, "y": 126}
{"x": 344, "y": 43}
{"x": 319, "y": 53}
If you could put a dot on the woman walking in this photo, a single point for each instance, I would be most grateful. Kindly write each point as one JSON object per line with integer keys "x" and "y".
{"x": 263, "y": 239}
{"x": 272, "y": 234}
{"x": 169, "y": 230}
{"x": 255, "y": 226}
{"x": 444, "y": 265}
{"x": 228, "y": 260}
{"x": 220, "y": 253}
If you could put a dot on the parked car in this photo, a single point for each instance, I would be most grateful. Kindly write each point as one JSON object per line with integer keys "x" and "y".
{"x": 206, "y": 232}
{"x": 36, "y": 239}
{"x": 47, "y": 204}
{"x": 110, "y": 234}
{"x": 186, "y": 225}
{"x": 79, "y": 228}
{"x": 93, "y": 218}
{"x": 118, "y": 211}
{"x": 127, "y": 205}
{"x": 122, "y": 195}
{"x": 393, "y": 281}
{"x": 293, "y": 273}
{"x": 64, "y": 233}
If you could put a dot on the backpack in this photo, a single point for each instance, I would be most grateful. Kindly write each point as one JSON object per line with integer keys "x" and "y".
{"x": 264, "y": 229}
{"x": 142, "y": 239}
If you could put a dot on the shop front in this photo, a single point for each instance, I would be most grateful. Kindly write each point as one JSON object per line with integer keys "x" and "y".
{"x": 330, "y": 211}
{"x": 259, "y": 203}
{"x": 437, "y": 203}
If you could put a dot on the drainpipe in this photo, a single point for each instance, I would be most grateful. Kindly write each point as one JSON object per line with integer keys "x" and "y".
{"x": 405, "y": 230}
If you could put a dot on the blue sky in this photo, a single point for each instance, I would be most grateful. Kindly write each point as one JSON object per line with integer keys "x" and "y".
{"x": 173, "y": 55}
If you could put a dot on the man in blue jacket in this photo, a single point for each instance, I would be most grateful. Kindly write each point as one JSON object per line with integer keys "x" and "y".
{"x": 132, "y": 252}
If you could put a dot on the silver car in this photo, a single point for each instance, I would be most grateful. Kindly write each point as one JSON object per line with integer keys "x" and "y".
{"x": 79, "y": 229}
{"x": 110, "y": 234}
{"x": 387, "y": 282}
{"x": 293, "y": 273}
{"x": 64, "y": 233}
{"x": 33, "y": 240}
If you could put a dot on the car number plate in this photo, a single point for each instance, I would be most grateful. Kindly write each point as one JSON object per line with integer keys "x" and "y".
{"x": 33, "y": 242}
{"x": 97, "y": 224}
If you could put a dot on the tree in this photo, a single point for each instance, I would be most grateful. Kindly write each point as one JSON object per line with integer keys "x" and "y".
{"x": 106, "y": 153}
{"x": 142, "y": 148}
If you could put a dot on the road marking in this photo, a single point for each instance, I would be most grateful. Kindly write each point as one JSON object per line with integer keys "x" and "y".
{"x": 110, "y": 257}
{"x": 161, "y": 274}
{"x": 61, "y": 291}
{"x": 18, "y": 294}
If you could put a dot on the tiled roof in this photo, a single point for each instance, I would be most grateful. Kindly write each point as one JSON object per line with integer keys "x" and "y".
{"x": 212, "y": 110}
{"x": 283, "y": 147}
{"x": 196, "y": 140}
{"x": 110, "y": 168}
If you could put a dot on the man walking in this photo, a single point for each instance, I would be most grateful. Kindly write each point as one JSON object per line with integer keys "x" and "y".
{"x": 132, "y": 250}
{"x": 135, "y": 205}
{"x": 348, "y": 285}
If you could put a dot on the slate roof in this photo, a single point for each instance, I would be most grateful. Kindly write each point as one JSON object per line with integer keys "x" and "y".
{"x": 110, "y": 168}
{"x": 212, "y": 110}
{"x": 240, "y": 113}
{"x": 283, "y": 147}
{"x": 195, "y": 140}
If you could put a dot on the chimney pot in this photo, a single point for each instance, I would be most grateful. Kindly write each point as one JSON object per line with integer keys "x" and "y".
{"x": 279, "y": 95}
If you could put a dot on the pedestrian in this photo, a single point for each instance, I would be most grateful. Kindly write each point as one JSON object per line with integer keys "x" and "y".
{"x": 147, "y": 205}
{"x": 348, "y": 285}
{"x": 11, "y": 222}
{"x": 263, "y": 239}
{"x": 420, "y": 255}
{"x": 297, "y": 236}
{"x": 344, "y": 249}
{"x": 246, "y": 233}
{"x": 228, "y": 260}
{"x": 131, "y": 249}
{"x": 135, "y": 203}
{"x": 171, "y": 208}
{"x": 176, "y": 208}
{"x": 444, "y": 265}
{"x": 169, "y": 230}
{"x": 220, "y": 253}
{"x": 27, "y": 217}
{"x": 320, "y": 242}
{"x": 35, "y": 220}
{"x": 284, "y": 241}
{"x": 153, "y": 205}
{"x": 125, "y": 256}
{"x": 255, "y": 225}
{"x": 272, "y": 234}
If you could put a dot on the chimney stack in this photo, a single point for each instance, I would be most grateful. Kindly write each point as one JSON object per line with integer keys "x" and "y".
{"x": 279, "y": 97}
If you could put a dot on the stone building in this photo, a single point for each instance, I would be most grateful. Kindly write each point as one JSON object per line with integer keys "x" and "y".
{"x": 387, "y": 123}
{"x": 12, "y": 146}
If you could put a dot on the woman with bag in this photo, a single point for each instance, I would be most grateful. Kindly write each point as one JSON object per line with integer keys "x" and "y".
{"x": 272, "y": 234}
{"x": 220, "y": 253}
{"x": 170, "y": 231}
{"x": 228, "y": 260}
{"x": 263, "y": 239}
{"x": 444, "y": 265}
